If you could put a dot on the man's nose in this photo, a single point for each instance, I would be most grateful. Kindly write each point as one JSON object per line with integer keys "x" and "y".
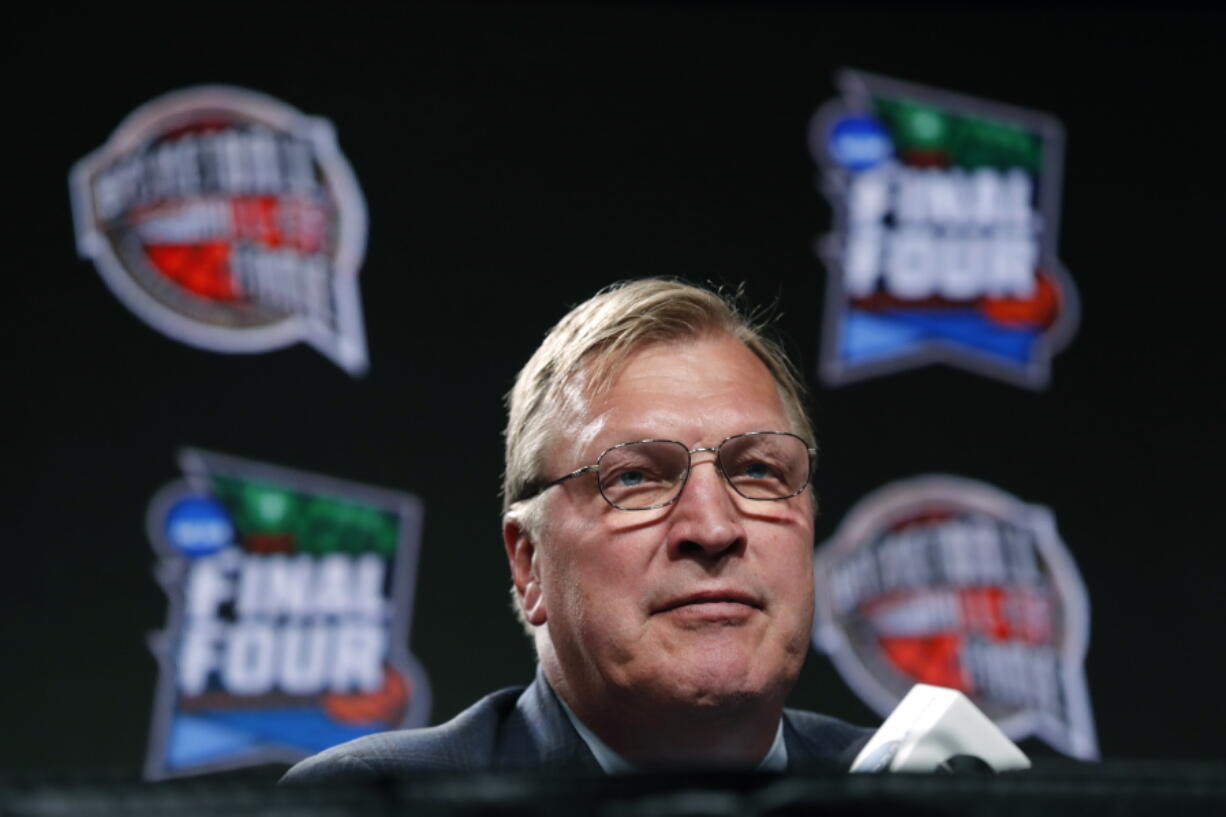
{"x": 705, "y": 519}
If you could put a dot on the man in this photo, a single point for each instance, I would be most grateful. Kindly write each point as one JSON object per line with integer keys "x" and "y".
{"x": 658, "y": 522}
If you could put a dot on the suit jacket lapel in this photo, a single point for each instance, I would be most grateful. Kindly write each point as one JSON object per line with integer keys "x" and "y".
{"x": 538, "y": 734}
{"x": 821, "y": 745}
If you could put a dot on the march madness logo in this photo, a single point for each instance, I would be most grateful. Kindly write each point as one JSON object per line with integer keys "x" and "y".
{"x": 289, "y": 610}
{"x": 230, "y": 221}
{"x": 947, "y": 581}
{"x": 946, "y": 225}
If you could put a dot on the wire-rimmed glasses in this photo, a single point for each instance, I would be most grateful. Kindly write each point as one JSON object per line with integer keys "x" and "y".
{"x": 647, "y": 474}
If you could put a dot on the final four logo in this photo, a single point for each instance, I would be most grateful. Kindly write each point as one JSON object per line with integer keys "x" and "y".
{"x": 946, "y": 224}
{"x": 230, "y": 221}
{"x": 289, "y": 615}
{"x": 947, "y": 581}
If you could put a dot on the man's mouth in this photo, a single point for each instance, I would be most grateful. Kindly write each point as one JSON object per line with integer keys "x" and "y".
{"x": 711, "y": 600}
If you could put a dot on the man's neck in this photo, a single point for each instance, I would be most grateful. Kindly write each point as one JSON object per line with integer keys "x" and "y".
{"x": 651, "y": 735}
{"x": 776, "y": 759}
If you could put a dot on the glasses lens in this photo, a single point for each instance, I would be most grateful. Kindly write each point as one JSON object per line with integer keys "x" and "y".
{"x": 642, "y": 475}
{"x": 766, "y": 466}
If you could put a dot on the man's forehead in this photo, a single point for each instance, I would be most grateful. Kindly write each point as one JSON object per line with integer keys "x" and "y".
{"x": 640, "y": 396}
{"x": 604, "y": 371}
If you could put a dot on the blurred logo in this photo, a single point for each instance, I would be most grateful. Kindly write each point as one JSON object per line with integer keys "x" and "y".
{"x": 947, "y": 581}
{"x": 229, "y": 221}
{"x": 946, "y": 220}
{"x": 288, "y": 624}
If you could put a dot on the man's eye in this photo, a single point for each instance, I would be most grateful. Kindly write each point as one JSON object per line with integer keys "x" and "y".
{"x": 756, "y": 470}
{"x": 630, "y": 479}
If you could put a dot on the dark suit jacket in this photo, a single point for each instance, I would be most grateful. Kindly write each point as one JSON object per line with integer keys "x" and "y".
{"x": 518, "y": 729}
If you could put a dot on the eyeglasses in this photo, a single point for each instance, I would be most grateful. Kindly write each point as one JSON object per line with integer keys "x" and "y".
{"x": 647, "y": 474}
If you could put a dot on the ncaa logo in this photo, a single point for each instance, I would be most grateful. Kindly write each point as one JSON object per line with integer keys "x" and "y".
{"x": 287, "y": 630}
{"x": 948, "y": 581}
{"x": 229, "y": 221}
{"x": 943, "y": 248}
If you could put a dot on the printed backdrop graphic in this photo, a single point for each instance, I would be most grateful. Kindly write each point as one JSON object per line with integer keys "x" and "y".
{"x": 948, "y": 581}
{"x": 228, "y": 220}
{"x": 946, "y": 222}
{"x": 290, "y": 596}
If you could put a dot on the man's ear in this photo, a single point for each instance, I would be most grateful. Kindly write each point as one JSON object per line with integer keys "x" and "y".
{"x": 521, "y": 553}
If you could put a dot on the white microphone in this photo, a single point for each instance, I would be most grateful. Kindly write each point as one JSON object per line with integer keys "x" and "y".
{"x": 931, "y": 726}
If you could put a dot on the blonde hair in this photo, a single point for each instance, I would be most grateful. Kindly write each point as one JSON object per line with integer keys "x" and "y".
{"x": 589, "y": 345}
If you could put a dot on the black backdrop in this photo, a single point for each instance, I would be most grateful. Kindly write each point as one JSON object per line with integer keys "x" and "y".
{"x": 514, "y": 160}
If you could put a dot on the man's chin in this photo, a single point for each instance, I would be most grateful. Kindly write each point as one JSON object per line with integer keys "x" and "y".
{"x": 712, "y": 696}
{"x": 715, "y": 681}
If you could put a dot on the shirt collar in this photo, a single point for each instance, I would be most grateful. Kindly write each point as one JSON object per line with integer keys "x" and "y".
{"x": 776, "y": 759}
